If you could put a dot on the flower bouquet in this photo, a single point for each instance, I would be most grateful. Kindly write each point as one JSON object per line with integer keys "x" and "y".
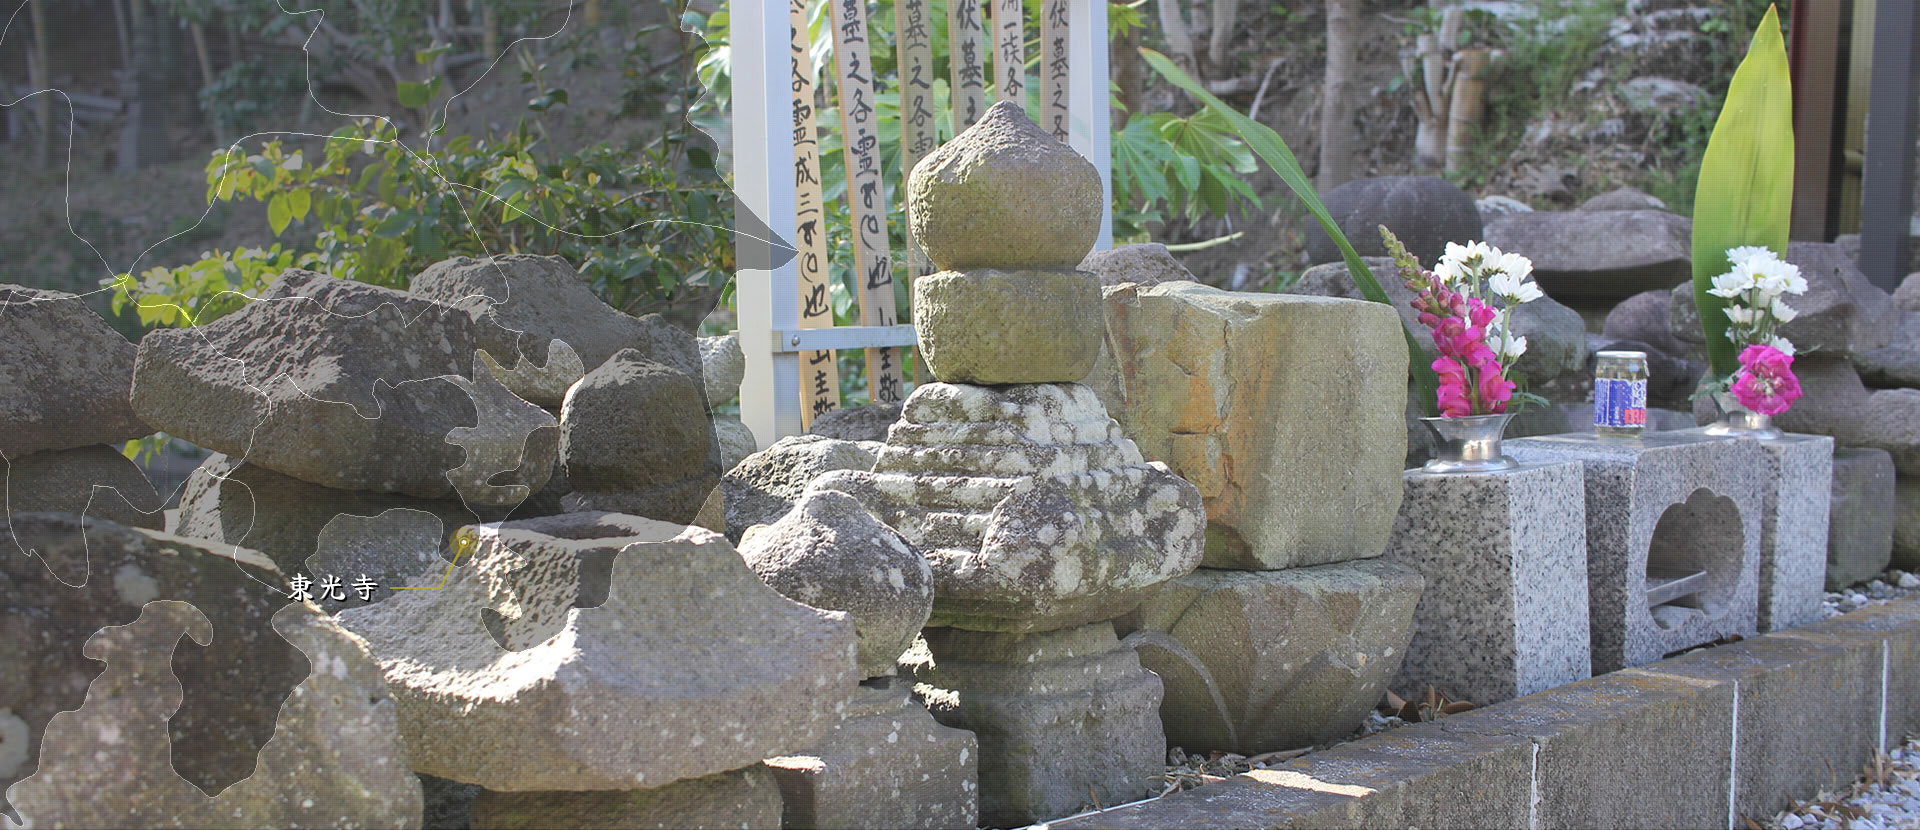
{"x": 1753, "y": 290}
{"x": 1467, "y": 302}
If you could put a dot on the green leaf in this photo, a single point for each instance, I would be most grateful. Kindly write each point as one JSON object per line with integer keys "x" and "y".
{"x": 414, "y": 95}
{"x": 278, "y": 213}
{"x": 1269, "y": 146}
{"x": 299, "y": 201}
{"x": 1745, "y": 192}
{"x": 394, "y": 226}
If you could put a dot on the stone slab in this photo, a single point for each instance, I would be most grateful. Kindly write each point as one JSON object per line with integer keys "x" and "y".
{"x": 1860, "y": 516}
{"x": 1064, "y": 718}
{"x": 1255, "y": 661}
{"x": 95, "y": 481}
{"x": 1283, "y": 410}
{"x": 1809, "y": 714}
{"x": 889, "y": 764}
{"x": 746, "y": 798}
{"x": 1793, "y": 530}
{"x": 1895, "y": 629}
{"x": 1680, "y": 501}
{"x": 1504, "y": 613}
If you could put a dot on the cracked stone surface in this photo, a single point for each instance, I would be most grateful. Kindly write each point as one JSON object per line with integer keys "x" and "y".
{"x": 722, "y": 670}
{"x": 1033, "y": 509}
{"x": 66, "y": 372}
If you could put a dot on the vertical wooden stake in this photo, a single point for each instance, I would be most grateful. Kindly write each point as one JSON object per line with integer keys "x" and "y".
{"x": 1010, "y": 59}
{"x": 820, "y": 376}
{"x": 1055, "y": 26}
{"x": 919, "y": 134}
{"x": 1463, "y": 118}
{"x": 866, "y": 191}
{"x": 967, "y": 63}
{"x": 41, "y": 75}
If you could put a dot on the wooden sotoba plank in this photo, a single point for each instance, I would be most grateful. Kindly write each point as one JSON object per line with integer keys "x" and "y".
{"x": 866, "y": 191}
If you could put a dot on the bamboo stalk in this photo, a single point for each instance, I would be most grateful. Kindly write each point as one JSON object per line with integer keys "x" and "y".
{"x": 1463, "y": 120}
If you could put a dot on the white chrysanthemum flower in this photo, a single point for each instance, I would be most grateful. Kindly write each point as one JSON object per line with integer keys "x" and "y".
{"x": 1783, "y": 344}
{"x": 1514, "y": 265}
{"x": 1739, "y": 257}
{"x": 1741, "y": 316}
{"x": 1512, "y": 347}
{"x": 1468, "y": 258}
{"x": 1511, "y": 288}
{"x": 1774, "y": 277}
{"x": 1732, "y": 284}
{"x": 1446, "y": 272}
{"x": 1781, "y": 311}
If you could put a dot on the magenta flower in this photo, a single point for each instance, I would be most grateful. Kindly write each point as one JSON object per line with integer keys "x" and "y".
{"x": 1765, "y": 383}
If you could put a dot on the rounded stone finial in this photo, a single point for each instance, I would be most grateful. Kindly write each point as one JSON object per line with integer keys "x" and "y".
{"x": 1005, "y": 193}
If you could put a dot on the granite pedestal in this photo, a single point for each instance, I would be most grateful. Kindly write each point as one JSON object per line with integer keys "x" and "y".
{"x": 1796, "y": 493}
{"x": 1504, "y": 553}
{"x": 1673, "y": 538}
{"x": 1065, "y": 718}
{"x": 887, "y": 765}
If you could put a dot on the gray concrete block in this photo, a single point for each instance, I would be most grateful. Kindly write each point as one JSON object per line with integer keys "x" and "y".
{"x": 1809, "y": 713}
{"x": 1678, "y": 502}
{"x": 1504, "y": 612}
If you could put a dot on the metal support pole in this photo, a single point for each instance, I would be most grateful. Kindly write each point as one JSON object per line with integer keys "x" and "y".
{"x": 766, "y": 293}
{"x": 1087, "y": 100}
{"x": 1887, "y": 201}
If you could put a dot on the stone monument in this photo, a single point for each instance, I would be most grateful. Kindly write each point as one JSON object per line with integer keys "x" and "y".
{"x": 1040, "y": 520}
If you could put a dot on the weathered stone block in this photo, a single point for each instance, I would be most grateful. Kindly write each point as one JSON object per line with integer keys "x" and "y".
{"x": 1577, "y": 255}
{"x": 1906, "y": 523}
{"x": 1892, "y": 423}
{"x": 1285, "y": 412}
{"x": 722, "y": 670}
{"x": 889, "y": 764}
{"x": 1033, "y": 509}
{"x": 67, "y": 375}
{"x": 764, "y": 485}
{"x": 742, "y": 798}
{"x": 992, "y": 326}
{"x": 1004, "y": 193}
{"x": 1860, "y": 516}
{"x": 95, "y": 481}
{"x": 1266, "y": 660}
{"x": 1064, "y": 718}
{"x": 283, "y": 517}
{"x": 272, "y": 706}
{"x": 1504, "y": 612}
{"x": 351, "y": 386}
{"x": 1666, "y": 505}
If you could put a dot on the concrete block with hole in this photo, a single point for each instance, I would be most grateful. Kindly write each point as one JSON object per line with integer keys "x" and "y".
{"x": 1796, "y": 492}
{"x": 1673, "y": 538}
{"x": 1504, "y": 553}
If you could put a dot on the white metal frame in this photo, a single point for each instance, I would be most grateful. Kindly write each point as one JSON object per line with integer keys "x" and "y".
{"x": 768, "y": 301}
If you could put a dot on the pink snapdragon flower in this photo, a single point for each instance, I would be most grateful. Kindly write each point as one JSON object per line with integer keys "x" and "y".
{"x": 1765, "y": 383}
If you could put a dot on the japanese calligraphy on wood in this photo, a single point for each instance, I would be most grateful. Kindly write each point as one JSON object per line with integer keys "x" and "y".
{"x": 866, "y": 190}
{"x": 1053, "y": 67}
{"x": 1010, "y": 63}
{"x": 819, "y": 377}
{"x": 918, "y": 133}
{"x": 967, "y": 62}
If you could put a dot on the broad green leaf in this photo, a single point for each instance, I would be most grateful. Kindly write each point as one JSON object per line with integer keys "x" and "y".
{"x": 278, "y": 213}
{"x": 299, "y": 201}
{"x": 414, "y": 95}
{"x": 1269, "y": 146}
{"x": 1745, "y": 192}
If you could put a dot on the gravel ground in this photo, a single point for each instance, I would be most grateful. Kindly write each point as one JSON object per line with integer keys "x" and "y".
{"x": 1886, "y": 797}
{"x": 1892, "y": 585}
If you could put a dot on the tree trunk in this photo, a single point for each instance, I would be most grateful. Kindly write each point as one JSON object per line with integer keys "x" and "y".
{"x": 1179, "y": 35}
{"x": 206, "y": 77}
{"x": 126, "y": 38}
{"x": 143, "y": 139}
{"x": 41, "y": 80}
{"x": 1225, "y": 14}
{"x": 1128, "y": 76}
{"x": 1463, "y": 120}
{"x": 1337, "y": 102}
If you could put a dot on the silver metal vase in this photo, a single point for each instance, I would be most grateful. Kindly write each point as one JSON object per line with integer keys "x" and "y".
{"x": 1468, "y": 445}
{"x": 1736, "y": 419}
